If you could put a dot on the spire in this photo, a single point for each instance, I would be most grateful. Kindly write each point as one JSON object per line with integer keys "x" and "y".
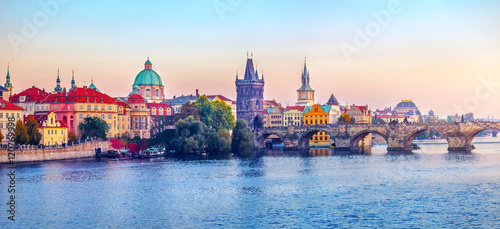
{"x": 7, "y": 81}
{"x": 305, "y": 79}
{"x": 58, "y": 88}
{"x": 332, "y": 101}
{"x": 73, "y": 85}
{"x": 250, "y": 72}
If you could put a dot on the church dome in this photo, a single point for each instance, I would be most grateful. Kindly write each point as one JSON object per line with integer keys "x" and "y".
{"x": 406, "y": 104}
{"x": 148, "y": 76}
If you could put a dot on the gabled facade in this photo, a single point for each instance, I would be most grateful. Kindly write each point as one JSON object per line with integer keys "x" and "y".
{"x": 54, "y": 132}
{"x": 318, "y": 115}
{"x": 273, "y": 117}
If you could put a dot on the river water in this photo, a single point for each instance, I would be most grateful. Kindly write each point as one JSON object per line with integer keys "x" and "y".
{"x": 272, "y": 189}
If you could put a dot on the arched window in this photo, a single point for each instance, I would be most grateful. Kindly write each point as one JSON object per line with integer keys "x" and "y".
{"x": 148, "y": 92}
{"x": 157, "y": 93}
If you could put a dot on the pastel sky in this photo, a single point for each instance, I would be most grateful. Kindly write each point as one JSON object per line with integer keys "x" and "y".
{"x": 445, "y": 55}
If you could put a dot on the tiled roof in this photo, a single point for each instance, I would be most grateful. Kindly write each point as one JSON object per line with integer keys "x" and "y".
{"x": 31, "y": 94}
{"x": 136, "y": 98}
{"x": 5, "y": 105}
{"x": 299, "y": 108}
{"x": 79, "y": 94}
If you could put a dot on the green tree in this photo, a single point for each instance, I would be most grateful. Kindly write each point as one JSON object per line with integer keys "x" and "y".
{"x": 242, "y": 138}
{"x": 217, "y": 141}
{"x": 72, "y": 137}
{"x": 189, "y": 135}
{"x": 34, "y": 134}
{"x": 94, "y": 127}
{"x": 186, "y": 110}
{"x": 205, "y": 109}
{"x": 222, "y": 117}
{"x": 21, "y": 133}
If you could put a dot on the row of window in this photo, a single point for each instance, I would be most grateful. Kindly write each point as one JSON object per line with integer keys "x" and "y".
{"x": 314, "y": 122}
{"x": 12, "y": 115}
{"x": 96, "y": 108}
{"x": 103, "y": 116}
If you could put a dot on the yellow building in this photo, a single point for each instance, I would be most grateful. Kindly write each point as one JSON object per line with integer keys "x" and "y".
{"x": 317, "y": 115}
{"x": 54, "y": 132}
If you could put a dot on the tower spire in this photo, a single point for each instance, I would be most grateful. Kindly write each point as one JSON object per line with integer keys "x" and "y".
{"x": 73, "y": 84}
{"x": 58, "y": 88}
{"x": 7, "y": 84}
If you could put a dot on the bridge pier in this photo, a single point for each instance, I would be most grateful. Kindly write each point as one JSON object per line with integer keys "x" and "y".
{"x": 342, "y": 143}
{"x": 458, "y": 143}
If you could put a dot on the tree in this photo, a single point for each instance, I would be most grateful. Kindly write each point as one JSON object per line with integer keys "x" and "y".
{"x": 72, "y": 137}
{"x": 34, "y": 134}
{"x": 222, "y": 117}
{"x": 186, "y": 110}
{"x": 257, "y": 123}
{"x": 94, "y": 127}
{"x": 21, "y": 133}
{"x": 205, "y": 109}
{"x": 189, "y": 135}
{"x": 217, "y": 141}
{"x": 242, "y": 138}
{"x": 1, "y": 137}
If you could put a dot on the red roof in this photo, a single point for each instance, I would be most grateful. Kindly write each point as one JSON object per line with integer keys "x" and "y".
{"x": 265, "y": 111}
{"x": 299, "y": 108}
{"x": 136, "y": 98}
{"x": 5, "y": 105}
{"x": 79, "y": 94}
{"x": 31, "y": 94}
{"x": 272, "y": 103}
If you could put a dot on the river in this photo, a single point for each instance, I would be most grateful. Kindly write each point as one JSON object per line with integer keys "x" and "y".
{"x": 272, "y": 189}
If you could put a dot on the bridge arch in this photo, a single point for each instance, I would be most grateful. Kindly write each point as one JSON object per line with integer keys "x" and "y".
{"x": 304, "y": 138}
{"x": 415, "y": 133}
{"x": 259, "y": 141}
{"x": 470, "y": 136}
{"x": 357, "y": 137}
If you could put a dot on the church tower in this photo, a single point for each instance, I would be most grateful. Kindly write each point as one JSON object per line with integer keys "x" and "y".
{"x": 58, "y": 88}
{"x": 7, "y": 84}
{"x": 250, "y": 94}
{"x": 305, "y": 94}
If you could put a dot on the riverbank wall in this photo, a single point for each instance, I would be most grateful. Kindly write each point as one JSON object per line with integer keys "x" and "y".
{"x": 82, "y": 150}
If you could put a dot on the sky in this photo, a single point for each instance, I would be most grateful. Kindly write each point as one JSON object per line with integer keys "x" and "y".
{"x": 442, "y": 54}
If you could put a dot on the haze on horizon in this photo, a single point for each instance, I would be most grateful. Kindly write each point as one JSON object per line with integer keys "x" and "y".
{"x": 444, "y": 55}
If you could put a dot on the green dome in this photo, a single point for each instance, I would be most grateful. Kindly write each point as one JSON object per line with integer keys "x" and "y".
{"x": 148, "y": 62}
{"x": 148, "y": 77}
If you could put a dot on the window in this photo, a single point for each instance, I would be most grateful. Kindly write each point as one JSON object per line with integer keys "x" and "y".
{"x": 148, "y": 92}
{"x": 110, "y": 108}
{"x": 1, "y": 115}
{"x": 123, "y": 126}
{"x": 109, "y": 125}
{"x": 157, "y": 93}
{"x": 88, "y": 115}
{"x": 80, "y": 107}
{"x": 103, "y": 108}
{"x": 102, "y": 116}
{"x": 110, "y": 116}
{"x": 128, "y": 126}
{"x": 55, "y": 131}
{"x": 12, "y": 115}
{"x": 136, "y": 118}
{"x": 1, "y": 125}
{"x": 96, "y": 108}
{"x": 80, "y": 116}
{"x": 89, "y": 107}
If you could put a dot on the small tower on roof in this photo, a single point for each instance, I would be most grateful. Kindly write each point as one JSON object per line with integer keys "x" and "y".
{"x": 58, "y": 88}
{"x": 73, "y": 84}
{"x": 8, "y": 84}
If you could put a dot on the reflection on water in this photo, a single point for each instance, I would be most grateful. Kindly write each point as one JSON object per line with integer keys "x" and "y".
{"x": 316, "y": 188}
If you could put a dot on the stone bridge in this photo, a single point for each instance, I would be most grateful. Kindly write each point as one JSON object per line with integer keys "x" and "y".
{"x": 399, "y": 136}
